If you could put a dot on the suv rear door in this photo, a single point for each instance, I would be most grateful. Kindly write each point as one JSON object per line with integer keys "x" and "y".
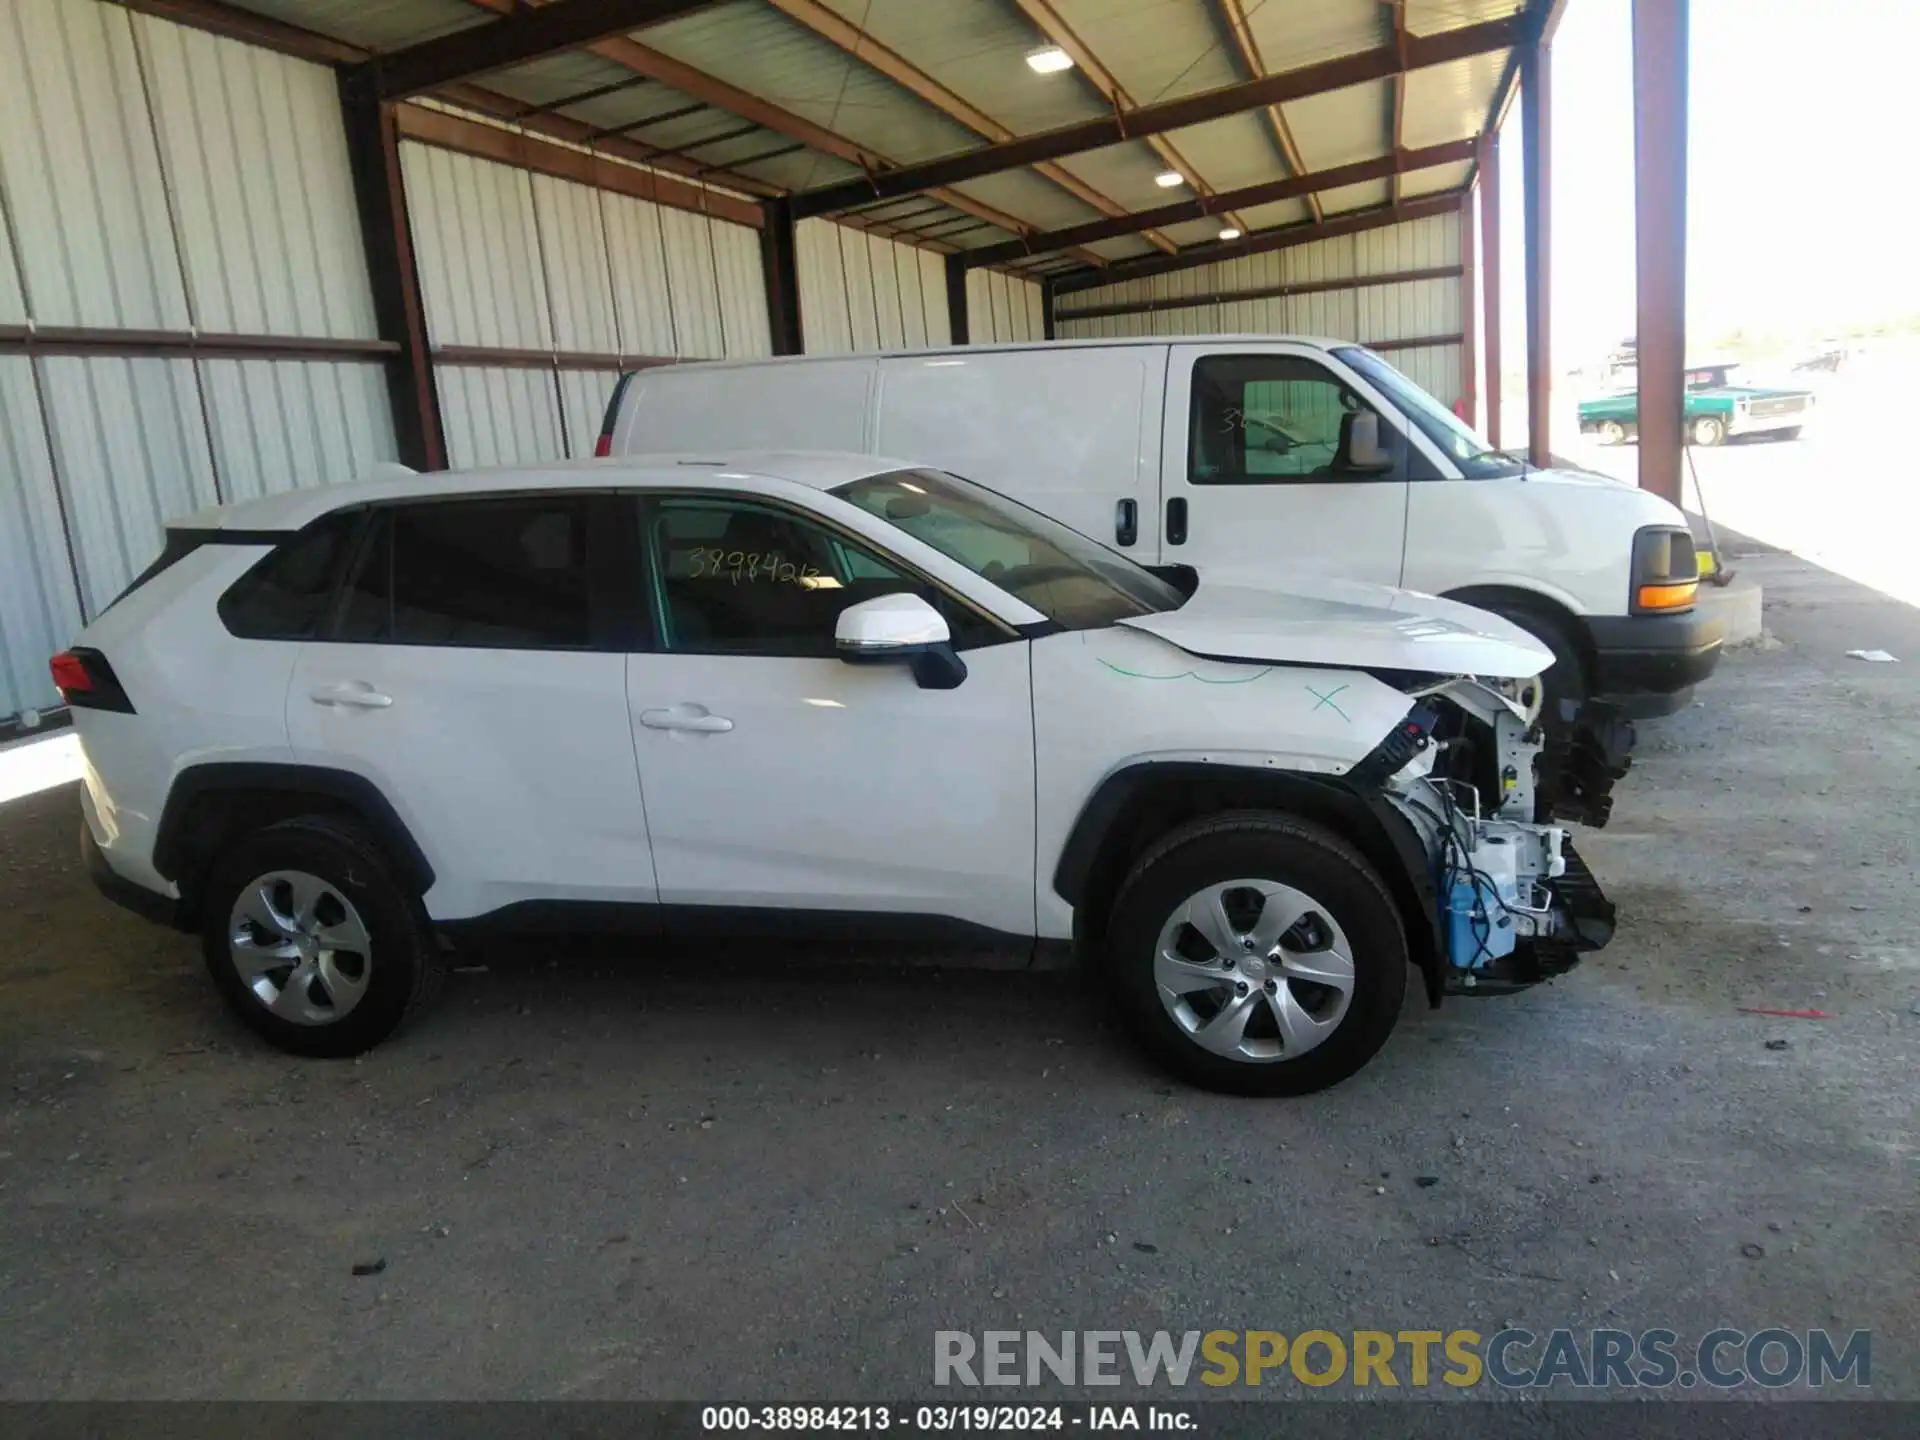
{"x": 473, "y": 668}
{"x": 1251, "y": 477}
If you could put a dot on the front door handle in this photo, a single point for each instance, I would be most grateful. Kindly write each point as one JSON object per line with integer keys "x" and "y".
{"x": 1177, "y": 520}
{"x": 356, "y": 693}
{"x": 686, "y": 717}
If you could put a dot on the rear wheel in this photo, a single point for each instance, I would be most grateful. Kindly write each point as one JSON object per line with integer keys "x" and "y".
{"x": 1612, "y": 432}
{"x": 313, "y": 942}
{"x": 1707, "y": 430}
{"x": 1257, "y": 954}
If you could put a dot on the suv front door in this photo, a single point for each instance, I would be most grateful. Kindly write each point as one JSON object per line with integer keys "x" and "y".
{"x": 1252, "y": 477}
{"x": 780, "y": 777}
{"x": 472, "y": 672}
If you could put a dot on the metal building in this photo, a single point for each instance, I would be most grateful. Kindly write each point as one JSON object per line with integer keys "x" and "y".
{"x": 257, "y": 244}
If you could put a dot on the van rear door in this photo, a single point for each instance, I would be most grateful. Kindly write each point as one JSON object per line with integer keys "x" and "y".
{"x": 1253, "y": 479}
{"x": 1072, "y": 431}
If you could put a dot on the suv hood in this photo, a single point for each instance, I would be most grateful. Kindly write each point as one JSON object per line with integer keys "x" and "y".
{"x": 1349, "y": 625}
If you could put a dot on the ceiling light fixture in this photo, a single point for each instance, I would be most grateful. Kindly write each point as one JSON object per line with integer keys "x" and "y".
{"x": 1230, "y": 233}
{"x": 1049, "y": 60}
{"x": 1167, "y": 179}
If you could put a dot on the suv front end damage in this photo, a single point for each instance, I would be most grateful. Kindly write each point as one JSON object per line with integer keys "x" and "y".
{"x": 1514, "y": 903}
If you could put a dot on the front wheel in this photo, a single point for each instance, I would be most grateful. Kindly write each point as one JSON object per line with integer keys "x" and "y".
{"x": 1707, "y": 430}
{"x": 1612, "y": 432}
{"x": 1257, "y": 954}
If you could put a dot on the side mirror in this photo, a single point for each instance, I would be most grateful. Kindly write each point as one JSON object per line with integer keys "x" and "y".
{"x": 1360, "y": 448}
{"x": 901, "y": 627}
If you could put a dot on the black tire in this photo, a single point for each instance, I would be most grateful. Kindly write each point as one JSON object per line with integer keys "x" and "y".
{"x": 1564, "y": 681}
{"x": 404, "y": 965}
{"x": 1273, "y": 846}
{"x": 1706, "y": 431}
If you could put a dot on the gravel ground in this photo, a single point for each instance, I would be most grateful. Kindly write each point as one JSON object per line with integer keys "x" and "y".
{"x": 594, "y": 1175}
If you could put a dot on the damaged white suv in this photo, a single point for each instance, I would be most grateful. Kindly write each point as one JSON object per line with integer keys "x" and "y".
{"x": 338, "y": 731}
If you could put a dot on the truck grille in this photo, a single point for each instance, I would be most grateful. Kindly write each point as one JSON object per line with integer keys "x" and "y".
{"x": 1783, "y": 405}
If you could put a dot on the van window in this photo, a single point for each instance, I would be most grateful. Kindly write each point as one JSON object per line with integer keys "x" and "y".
{"x": 1265, "y": 419}
{"x": 1477, "y": 459}
{"x": 502, "y": 573}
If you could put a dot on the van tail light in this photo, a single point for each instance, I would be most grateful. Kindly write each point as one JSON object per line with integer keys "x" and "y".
{"x": 603, "y": 447}
{"x": 87, "y": 682}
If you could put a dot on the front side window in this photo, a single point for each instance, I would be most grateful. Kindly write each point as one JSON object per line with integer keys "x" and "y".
{"x": 507, "y": 573}
{"x": 1477, "y": 459}
{"x": 1075, "y": 582}
{"x": 1264, "y": 419}
{"x": 737, "y": 577}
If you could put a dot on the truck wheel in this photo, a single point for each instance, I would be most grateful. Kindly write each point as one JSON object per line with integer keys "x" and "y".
{"x": 1792, "y": 432}
{"x": 1612, "y": 432}
{"x": 1707, "y": 430}
{"x": 313, "y": 942}
{"x": 1256, "y": 954}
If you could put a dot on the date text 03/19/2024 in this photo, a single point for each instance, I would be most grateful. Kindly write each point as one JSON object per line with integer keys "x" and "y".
{"x": 941, "y": 1419}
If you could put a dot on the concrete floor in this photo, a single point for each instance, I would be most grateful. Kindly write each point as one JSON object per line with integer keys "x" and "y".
{"x": 589, "y": 1177}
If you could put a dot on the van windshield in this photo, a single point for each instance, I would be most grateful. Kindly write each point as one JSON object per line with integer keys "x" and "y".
{"x": 1477, "y": 459}
{"x": 1073, "y": 581}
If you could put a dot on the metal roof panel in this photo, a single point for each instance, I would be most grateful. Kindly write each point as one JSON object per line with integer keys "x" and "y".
{"x": 374, "y": 24}
{"x": 1343, "y": 126}
{"x": 1450, "y": 102}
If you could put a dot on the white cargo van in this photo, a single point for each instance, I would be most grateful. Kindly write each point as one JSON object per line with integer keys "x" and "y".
{"x": 1252, "y": 457}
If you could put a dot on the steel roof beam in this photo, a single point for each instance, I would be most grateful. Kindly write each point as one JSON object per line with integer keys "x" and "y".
{"x": 1233, "y": 15}
{"x": 520, "y": 35}
{"x": 1260, "y": 242}
{"x": 836, "y": 30}
{"x": 1296, "y": 84}
{"x": 1291, "y": 188}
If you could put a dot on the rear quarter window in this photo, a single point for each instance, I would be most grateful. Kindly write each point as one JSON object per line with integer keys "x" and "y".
{"x": 284, "y": 596}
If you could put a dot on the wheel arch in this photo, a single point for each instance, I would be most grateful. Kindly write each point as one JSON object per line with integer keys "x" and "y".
{"x": 1501, "y": 598}
{"x": 210, "y": 806}
{"x": 1134, "y": 806}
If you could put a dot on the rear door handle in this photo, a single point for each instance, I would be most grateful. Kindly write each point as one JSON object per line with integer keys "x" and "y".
{"x": 686, "y": 717}
{"x": 1177, "y": 520}
{"x": 1126, "y": 522}
{"x": 356, "y": 693}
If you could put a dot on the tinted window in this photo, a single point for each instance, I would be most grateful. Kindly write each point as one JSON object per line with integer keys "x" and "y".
{"x": 733, "y": 577}
{"x": 283, "y": 596}
{"x": 1477, "y": 460}
{"x": 1073, "y": 581}
{"x": 1264, "y": 418}
{"x": 509, "y": 573}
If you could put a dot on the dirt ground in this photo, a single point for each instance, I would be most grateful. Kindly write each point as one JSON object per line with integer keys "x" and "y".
{"x": 617, "y": 1175}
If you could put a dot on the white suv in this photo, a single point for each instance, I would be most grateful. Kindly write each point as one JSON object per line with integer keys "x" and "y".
{"x": 340, "y": 730}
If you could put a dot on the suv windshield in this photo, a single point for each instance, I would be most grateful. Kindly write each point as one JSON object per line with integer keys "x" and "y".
{"x": 1073, "y": 581}
{"x": 1477, "y": 459}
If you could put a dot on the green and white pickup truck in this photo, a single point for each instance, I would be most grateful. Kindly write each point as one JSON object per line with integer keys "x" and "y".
{"x": 1715, "y": 408}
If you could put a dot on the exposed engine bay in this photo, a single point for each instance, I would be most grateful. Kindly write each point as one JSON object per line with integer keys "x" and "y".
{"x": 1470, "y": 770}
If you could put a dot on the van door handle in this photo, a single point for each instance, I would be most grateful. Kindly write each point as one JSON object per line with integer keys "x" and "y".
{"x": 1126, "y": 522}
{"x": 356, "y": 693}
{"x": 686, "y": 717}
{"x": 1177, "y": 520}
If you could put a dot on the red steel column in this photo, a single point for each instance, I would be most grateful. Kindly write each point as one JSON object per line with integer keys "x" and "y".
{"x": 1489, "y": 169}
{"x": 1469, "y": 361}
{"x": 1660, "y": 237}
{"x": 1536, "y": 108}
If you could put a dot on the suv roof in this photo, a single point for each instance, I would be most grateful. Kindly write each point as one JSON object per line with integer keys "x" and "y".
{"x": 819, "y": 470}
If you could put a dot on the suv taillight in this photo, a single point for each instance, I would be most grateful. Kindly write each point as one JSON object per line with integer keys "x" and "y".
{"x": 603, "y": 447}
{"x": 87, "y": 682}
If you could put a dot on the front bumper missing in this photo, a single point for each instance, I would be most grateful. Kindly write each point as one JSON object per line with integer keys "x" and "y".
{"x": 1589, "y": 926}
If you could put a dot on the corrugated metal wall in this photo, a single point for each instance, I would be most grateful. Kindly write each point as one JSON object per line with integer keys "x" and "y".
{"x": 1407, "y": 310}
{"x": 157, "y": 178}
{"x": 1002, "y": 308}
{"x": 862, "y": 292}
{"x": 512, "y": 260}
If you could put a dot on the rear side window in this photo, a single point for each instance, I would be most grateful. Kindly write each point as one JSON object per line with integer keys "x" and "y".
{"x": 285, "y": 595}
{"x": 508, "y": 573}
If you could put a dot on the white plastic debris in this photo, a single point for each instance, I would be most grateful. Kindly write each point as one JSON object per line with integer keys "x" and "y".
{"x": 1879, "y": 657}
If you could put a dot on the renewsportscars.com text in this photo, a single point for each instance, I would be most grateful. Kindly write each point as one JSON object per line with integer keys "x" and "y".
{"x": 1381, "y": 1359}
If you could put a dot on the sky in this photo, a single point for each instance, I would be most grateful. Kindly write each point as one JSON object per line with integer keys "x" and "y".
{"x": 1801, "y": 213}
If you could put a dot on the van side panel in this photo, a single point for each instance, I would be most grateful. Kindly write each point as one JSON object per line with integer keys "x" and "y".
{"x": 1070, "y": 432}
{"x": 807, "y": 405}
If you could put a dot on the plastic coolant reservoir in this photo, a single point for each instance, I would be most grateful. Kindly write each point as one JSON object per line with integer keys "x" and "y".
{"x": 1479, "y": 929}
